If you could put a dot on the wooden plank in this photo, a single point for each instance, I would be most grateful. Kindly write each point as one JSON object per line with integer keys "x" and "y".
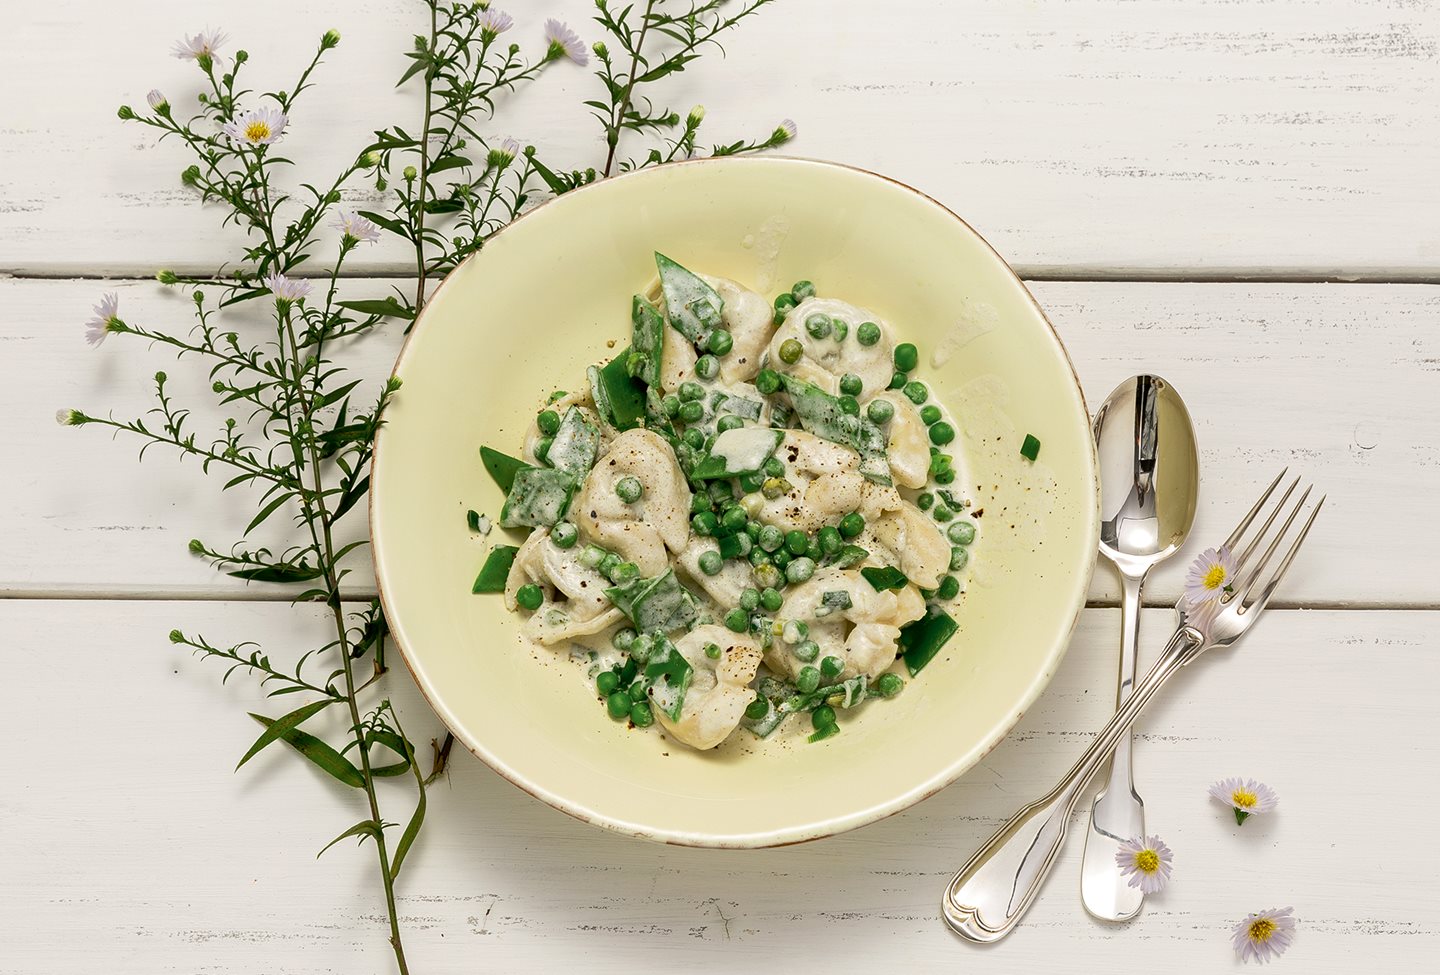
{"x": 1100, "y": 135}
{"x": 1339, "y": 382}
{"x": 129, "y": 825}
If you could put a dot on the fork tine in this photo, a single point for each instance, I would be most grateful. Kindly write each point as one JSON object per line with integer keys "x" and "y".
{"x": 1245, "y": 522}
{"x": 1269, "y": 588}
{"x": 1244, "y": 555}
{"x": 1247, "y": 578}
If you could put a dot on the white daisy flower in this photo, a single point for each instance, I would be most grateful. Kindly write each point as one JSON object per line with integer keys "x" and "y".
{"x": 1210, "y": 576}
{"x": 1266, "y": 935}
{"x": 104, "y": 319}
{"x": 564, "y": 41}
{"x": 502, "y": 155}
{"x": 206, "y": 44}
{"x": 257, "y": 127}
{"x": 358, "y": 228}
{"x": 158, "y": 101}
{"x": 493, "y": 23}
{"x": 784, "y": 132}
{"x": 287, "y": 289}
{"x": 1246, "y": 796}
{"x": 1146, "y": 862}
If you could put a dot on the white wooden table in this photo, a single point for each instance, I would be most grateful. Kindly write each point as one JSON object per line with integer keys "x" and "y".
{"x": 1187, "y": 184}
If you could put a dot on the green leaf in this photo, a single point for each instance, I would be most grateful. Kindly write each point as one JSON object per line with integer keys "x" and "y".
{"x": 389, "y": 223}
{"x": 275, "y": 728}
{"x": 449, "y": 162}
{"x": 267, "y": 511}
{"x": 320, "y": 754}
{"x": 277, "y": 573}
{"x": 362, "y": 829}
{"x": 385, "y": 307}
{"x": 412, "y": 830}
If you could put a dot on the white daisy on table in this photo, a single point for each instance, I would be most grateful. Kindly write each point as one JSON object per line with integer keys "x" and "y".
{"x": 104, "y": 319}
{"x": 564, "y": 41}
{"x": 287, "y": 289}
{"x": 204, "y": 44}
{"x": 493, "y": 23}
{"x": 1210, "y": 577}
{"x": 1246, "y": 796}
{"x": 1146, "y": 861}
{"x": 358, "y": 228}
{"x": 1266, "y": 935}
{"x": 257, "y": 127}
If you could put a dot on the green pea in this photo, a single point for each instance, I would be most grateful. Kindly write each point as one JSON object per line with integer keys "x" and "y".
{"x": 771, "y": 599}
{"x": 851, "y": 384}
{"x": 757, "y": 708}
{"x": 692, "y": 411}
{"x": 813, "y": 550}
{"x": 841, "y": 329}
{"x": 592, "y": 555}
{"x": 867, "y": 333}
{"x": 720, "y": 342}
{"x": 959, "y": 555}
{"x": 849, "y": 405}
{"x": 942, "y": 513}
{"x": 898, "y": 380}
{"x": 758, "y": 556}
{"x": 949, "y": 588}
{"x": 942, "y": 433}
{"x": 771, "y": 538}
{"x": 831, "y": 667}
{"x": 907, "y": 357}
{"x": 640, "y": 714}
{"x": 790, "y": 351}
{"x": 629, "y": 489}
{"x": 796, "y": 541}
{"x": 961, "y": 533}
{"x": 711, "y": 562}
{"x": 888, "y": 685}
{"x": 880, "y": 411}
{"x": 729, "y": 422}
{"x": 623, "y": 639}
{"x": 806, "y": 650}
{"x": 752, "y": 529}
{"x": 924, "y": 501}
{"x": 618, "y": 704}
{"x": 750, "y": 483}
{"x": 929, "y": 414}
{"x": 737, "y": 620}
{"x": 542, "y": 448}
{"x": 830, "y": 540}
{"x": 947, "y": 476}
{"x": 624, "y": 572}
{"x": 807, "y": 680}
{"x": 529, "y": 596}
{"x": 818, "y": 324}
{"x": 773, "y": 467}
{"x": 670, "y": 405}
{"x": 852, "y": 524}
{"x": 699, "y": 501}
{"x": 705, "y": 523}
{"x": 707, "y": 366}
{"x": 548, "y": 421}
{"x": 823, "y": 717}
{"x": 712, "y": 650}
{"x": 564, "y": 535}
{"x": 939, "y": 462}
{"x": 800, "y": 569}
{"x": 608, "y": 563}
{"x": 774, "y": 487}
{"x": 802, "y": 290}
{"x": 694, "y": 439}
{"x": 742, "y": 543}
{"x": 607, "y": 682}
{"x": 780, "y": 558}
{"x": 637, "y": 690}
{"x": 749, "y": 599}
{"x": 642, "y": 648}
{"x": 767, "y": 382}
{"x": 768, "y": 576}
{"x": 917, "y": 392}
{"x": 734, "y": 519}
{"x": 691, "y": 391}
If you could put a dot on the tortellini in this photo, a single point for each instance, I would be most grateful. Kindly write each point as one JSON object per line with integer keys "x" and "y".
{"x": 643, "y": 530}
{"x": 907, "y": 444}
{"x": 914, "y": 542}
{"x": 575, "y": 603}
{"x": 824, "y": 360}
{"x": 848, "y": 619}
{"x": 719, "y": 688}
{"x": 750, "y": 320}
{"x": 825, "y": 483}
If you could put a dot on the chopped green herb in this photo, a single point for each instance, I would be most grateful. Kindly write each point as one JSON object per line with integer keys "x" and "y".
{"x": 1030, "y": 449}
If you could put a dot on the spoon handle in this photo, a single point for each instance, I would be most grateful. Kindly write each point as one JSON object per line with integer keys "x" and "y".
{"x": 990, "y": 894}
{"x": 1118, "y": 813}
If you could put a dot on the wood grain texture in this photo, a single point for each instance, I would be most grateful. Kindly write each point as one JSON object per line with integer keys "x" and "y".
{"x": 1340, "y": 382}
{"x": 128, "y": 825}
{"x": 1102, "y": 136}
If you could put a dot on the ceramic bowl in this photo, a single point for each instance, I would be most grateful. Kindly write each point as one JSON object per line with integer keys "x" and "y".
{"x": 549, "y": 295}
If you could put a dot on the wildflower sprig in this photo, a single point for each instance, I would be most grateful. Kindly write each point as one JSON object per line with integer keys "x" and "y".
{"x": 298, "y": 430}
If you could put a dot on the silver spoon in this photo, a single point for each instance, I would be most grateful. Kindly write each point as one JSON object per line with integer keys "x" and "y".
{"x": 1149, "y": 479}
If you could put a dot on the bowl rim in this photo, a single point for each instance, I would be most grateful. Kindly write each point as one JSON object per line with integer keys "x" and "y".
{"x": 817, "y": 829}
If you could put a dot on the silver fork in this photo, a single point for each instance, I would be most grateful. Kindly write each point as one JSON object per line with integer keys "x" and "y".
{"x": 990, "y": 894}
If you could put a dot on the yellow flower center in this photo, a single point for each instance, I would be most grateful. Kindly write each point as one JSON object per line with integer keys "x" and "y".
{"x": 1147, "y": 861}
{"x": 1262, "y": 929}
{"x": 259, "y": 131}
{"x": 1242, "y": 798}
{"x": 1215, "y": 578}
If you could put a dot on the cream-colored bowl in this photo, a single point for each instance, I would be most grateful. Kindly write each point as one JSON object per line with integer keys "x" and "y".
{"x": 551, "y": 294}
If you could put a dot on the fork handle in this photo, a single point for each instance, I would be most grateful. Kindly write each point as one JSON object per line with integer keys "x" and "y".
{"x": 990, "y": 894}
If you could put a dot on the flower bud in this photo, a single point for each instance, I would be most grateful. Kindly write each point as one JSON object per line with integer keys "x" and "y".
{"x": 217, "y": 387}
{"x": 371, "y": 159}
{"x": 176, "y": 636}
{"x": 126, "y": 112}
{"x": 241, "y": 57}
{"x": 410, "y": 173}
{"x": 331, "y": 38}
{"x": 196, "y": 546}
{"x": 167, "y": 277}
{"x": 393, "y": 383}
{"x": 190, "y": 176}
{"x": 160, "y": 377}
{"x": 158, "y": 102}
{"x": 207, "y": 62}
{"x": 696, "y": 116}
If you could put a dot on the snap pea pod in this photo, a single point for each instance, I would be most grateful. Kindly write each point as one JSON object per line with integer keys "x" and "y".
{"x": 785, "y": 701}
{"x": 692, "y": 306}
{"x": 743, "y": 450}
{"x": 656, "y": 605}
{"x": 887, "y": 577}
{"x": 538, "y": 498}
{"x": 501, "y": 467}
{"x": 669, "y": 674}
{"x": 821, "y": 414}
{"x": 496, "y": 569}
{"x": 575, "y": 445}
{"x": 921, "y": 640}
{"x": 647, "y": 342}
{"x": 620, "y": 400}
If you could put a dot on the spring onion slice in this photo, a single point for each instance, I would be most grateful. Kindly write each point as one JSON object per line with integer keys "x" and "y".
{"x": 884, "y": 578}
